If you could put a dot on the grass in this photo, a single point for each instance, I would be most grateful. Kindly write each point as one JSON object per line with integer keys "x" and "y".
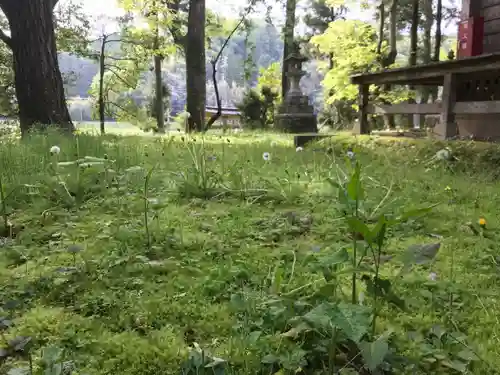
{"x": 228, "y": 250}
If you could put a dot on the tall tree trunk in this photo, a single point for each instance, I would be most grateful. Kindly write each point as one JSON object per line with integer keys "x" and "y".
{"x": 414, "y": 33}
{"x": 38, "y": 79}
{"x": 393, "y": 53}
{"x": 437, "y": 43}
{"x": 438, "y": 37}
{"x": 159, "y": 105}
{"x": 425, "y": 92}
{"x": 412, "y": 61}
{"x": 381, "y": 20}
{"x": 288, "y": 45}
{"x": 102, "y": 67}
{"x": 195, "y": 65}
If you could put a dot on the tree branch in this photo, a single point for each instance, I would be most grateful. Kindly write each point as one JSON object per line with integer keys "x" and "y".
{"x": 214, "y": 61}
{"x": 129, "y": 85}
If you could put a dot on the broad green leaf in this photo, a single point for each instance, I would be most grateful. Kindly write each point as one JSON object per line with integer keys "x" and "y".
{"x": 354, "y": 187}
{"x": 382, "y": 288}
{"x": 18, "y": 371}
{"x": 339, "y": 257}
{"x": 467, "y": 355}
{"x": 269, "y": 359}
{"x": 352, "y": 320}
{"x": 415, "y": 213}
{"x": 51, "y": 354}
{"x": 277, "y": 280}
{"x": 254, "y": 336}
{"x": 378, "y": 233}
{"x": 420, "y": 254}
{"x": 374, "y": 352}
{"x": 357, "y": 226}
{"x": 455, "y": 365}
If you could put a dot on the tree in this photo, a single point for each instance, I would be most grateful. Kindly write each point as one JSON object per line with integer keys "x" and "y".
{"x": 288, "y": 46}
{"x": 38, "y": 80}
{"x": 320, "y": 15}
{"x": 195, "y": 66}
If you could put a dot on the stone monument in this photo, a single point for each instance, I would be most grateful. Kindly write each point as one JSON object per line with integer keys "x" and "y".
{"x": 296, "y": 115}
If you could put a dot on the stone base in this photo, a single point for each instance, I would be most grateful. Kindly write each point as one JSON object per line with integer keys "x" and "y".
{"x": 302, "y": 139}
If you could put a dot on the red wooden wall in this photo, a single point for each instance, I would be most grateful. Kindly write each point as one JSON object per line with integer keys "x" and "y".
{"x": 490, "y": 10}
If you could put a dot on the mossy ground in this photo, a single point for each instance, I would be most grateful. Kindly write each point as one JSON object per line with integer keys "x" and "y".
{"x": 227, "y": 219}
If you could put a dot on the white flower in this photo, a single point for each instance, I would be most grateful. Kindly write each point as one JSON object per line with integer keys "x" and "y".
{"x": 274, "y": 144}
{"x": 266, "y": 156}
{"x": 299, "y": 149}
{"x": 444, "y": 154}
{"x": 55, "y": 150}
{"x": 188, "y": 114}
{"x": 433, "y": 276}
{"x": 350, "y": 154}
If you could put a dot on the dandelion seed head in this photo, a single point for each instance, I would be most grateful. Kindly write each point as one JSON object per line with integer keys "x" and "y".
{"x": 55, "y": 150}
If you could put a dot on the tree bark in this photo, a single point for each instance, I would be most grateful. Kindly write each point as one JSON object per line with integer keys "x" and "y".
{"x": 102, "y": 67}
{"x": 425, "y": 92}
{"x": 288, "y": 46}
{"x": 160, "y": 107}
{"x": 414, "y": 33}
{"x": 438, "y": 37}
{"x": 437, "y": 43}
{"x": 38, "y": 79}
{"x": 195, "y": 66}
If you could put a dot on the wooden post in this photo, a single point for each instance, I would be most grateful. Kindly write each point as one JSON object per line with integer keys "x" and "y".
{"x": 362, "y": 126}
{"x": 447, "y": 126}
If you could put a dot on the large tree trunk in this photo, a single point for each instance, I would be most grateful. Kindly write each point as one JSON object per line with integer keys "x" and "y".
{"x": 437, "y": 43}
{"x": 412, "y": 61}
{"x": 425, "y": 92}
{"x": 288, "y": 45}
{"x": 102, "y": 68}
{"x": 160, "y": 107}
{"x": 391, "y": 57}
{"x": 39, "y": 84}
{"x": 195, "y": 66}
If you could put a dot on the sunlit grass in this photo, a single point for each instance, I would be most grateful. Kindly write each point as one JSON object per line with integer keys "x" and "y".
{"x": 225, "y": 219}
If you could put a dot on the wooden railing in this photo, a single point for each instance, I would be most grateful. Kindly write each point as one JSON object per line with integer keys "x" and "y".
{"x": 459, "y": 108}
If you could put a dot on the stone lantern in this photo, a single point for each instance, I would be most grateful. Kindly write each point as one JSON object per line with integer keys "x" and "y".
{"x": 296, "y": 115}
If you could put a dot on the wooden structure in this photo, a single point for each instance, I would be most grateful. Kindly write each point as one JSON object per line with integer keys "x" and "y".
{"x": 470, "y": 104}
{"x": 229, "y": 118}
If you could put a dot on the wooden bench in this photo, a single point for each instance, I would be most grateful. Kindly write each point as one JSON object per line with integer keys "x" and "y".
{"x": 452, "y": 75}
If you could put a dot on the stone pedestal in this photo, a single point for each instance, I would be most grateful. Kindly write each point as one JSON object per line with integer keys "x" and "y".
{"x": 296, "y": 115}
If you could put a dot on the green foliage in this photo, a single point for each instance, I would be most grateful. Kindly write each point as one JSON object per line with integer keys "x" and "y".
{"x": 257, "y": 109}
{"x": 270, "y": 77}
{"x": 353, "y": 46}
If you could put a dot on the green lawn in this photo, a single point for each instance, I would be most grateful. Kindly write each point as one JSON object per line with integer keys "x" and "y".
{"x": 250, "y": 259}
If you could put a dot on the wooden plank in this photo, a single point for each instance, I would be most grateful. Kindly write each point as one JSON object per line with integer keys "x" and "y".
{"x": 491, "y": 43}
{"x": 477, "y": 108}
{"x": 447, "y": 127}
{"x": 432, "y": 73}
{"x": 492, "y": 27}
{"x": 487, "y": 3}
{"x": 491, "y": 13}
{"x": 405, "y": 108}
